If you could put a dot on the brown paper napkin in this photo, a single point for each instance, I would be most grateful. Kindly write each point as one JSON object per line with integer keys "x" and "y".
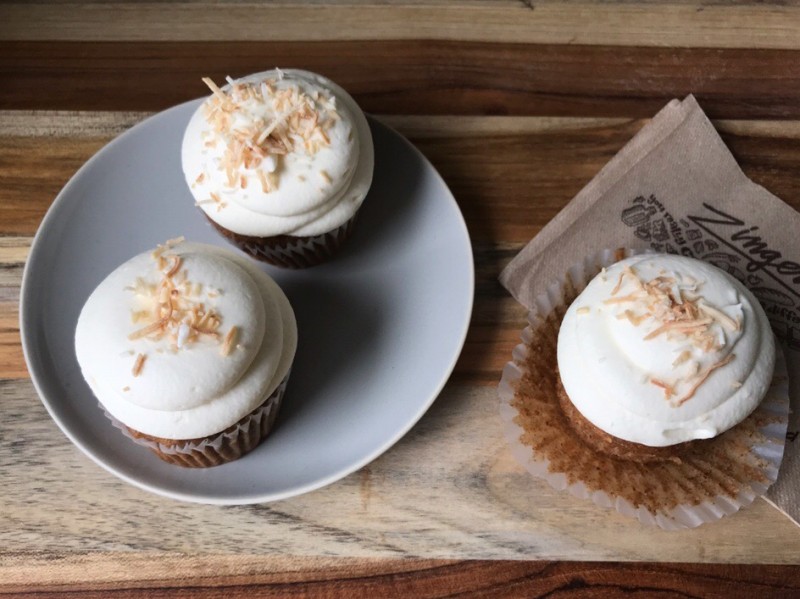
{"x": 676, "y": 188}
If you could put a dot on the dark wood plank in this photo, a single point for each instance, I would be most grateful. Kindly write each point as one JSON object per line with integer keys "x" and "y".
{"x": 414, "y": 76}
{"x": 432, "y": 578}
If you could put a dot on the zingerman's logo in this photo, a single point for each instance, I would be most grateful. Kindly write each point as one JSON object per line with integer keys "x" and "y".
{"x": 746, "y": 241}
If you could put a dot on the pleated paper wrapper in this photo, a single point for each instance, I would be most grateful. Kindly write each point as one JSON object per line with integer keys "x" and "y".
{"x": 214, "y": 450}
{"x": 288, "y": 251}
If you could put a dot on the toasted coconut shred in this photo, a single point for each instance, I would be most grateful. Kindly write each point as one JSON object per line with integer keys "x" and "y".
{"x": 271, "y": 119}
{"x": 230, "y": 339}
{"x": 178, "y": 313}
{"x": 138, "y": 364}
{"x": 682, "y": 315}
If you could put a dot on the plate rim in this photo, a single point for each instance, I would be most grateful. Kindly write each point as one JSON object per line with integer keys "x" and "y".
{"x": 27, "y": 345}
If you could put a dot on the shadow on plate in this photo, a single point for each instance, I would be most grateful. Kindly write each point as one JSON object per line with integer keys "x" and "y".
{"x": 392, "y": 204}
{"x": 337, "y": 327}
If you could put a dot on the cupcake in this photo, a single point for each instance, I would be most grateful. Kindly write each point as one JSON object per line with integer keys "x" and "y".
{"x": 188, "y": 350}
{"x": 660, "y": 350}
{"x": 280, "y": 163}
{"x": 652, "y": 389}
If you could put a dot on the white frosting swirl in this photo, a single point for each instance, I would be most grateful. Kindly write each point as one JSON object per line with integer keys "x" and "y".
{"x": 640, "y": 381}
{"x": 315, "y": 193}
{"x": 194, "y": 391}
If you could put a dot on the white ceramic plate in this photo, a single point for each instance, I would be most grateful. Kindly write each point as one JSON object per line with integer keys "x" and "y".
{"x": 381, "y": 326}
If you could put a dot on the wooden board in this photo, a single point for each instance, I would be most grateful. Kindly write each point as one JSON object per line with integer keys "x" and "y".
{"x": 518, "y": 103}
{"x": 450, "y": 489}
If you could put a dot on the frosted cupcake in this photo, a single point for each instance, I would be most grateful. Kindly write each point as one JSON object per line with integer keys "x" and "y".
{"x": 188, "y": 349}
{"x": 650, "y": 384}
{"x": 280, "y": 163}
{"x": 660, "y": 350}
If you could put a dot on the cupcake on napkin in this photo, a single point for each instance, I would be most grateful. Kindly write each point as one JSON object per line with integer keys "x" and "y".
{"x": 651, "y": 384}
{"x": 660, "y": 350}
{"x": 280, "y": 163}
{"x": 188, "y": 350}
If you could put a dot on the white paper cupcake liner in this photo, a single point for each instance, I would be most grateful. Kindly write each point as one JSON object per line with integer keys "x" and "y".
{"x": 226, "y": 446}
{"x": 766, "y": 451}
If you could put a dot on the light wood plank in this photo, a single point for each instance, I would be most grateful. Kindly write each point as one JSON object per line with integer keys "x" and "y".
{"x": 13, "y": 364}
{"x": 449, "y": 489}
{"x": 78, "y": 123}
{"x": 14, "y": 250}
{"x": 677, "y": 24}
{"x": 117, "y": 570}
{"x": 87, "y": 123}
{"x": 13, "y": 253}
{"x": 67, "y": 123}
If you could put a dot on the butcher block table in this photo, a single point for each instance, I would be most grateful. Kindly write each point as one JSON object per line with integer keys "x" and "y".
{"x": 518, "y": 104}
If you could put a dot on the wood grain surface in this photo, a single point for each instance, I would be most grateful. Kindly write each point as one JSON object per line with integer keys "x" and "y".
{"x": 414, "y": 77}
{"x": 670, "y": 23}
{"x": 449, "y": 489}
{"x": 518, "y": 104}
{"x": 111, "y": 576}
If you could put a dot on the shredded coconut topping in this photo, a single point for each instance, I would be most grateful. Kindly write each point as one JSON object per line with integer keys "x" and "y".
{"x": 668, "y": 390}
{"x": 138, "y": 364}
{"x": 178, "y": 313}
{"x": 680, "y": 314}
{"x": 228, "y": 343}
{"x": 271, "y": 121}
{"x": 675, "y": 309}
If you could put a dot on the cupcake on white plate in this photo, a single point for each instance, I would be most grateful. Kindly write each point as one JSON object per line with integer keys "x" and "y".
{"x": 280, "y": 163}
{"x": 188, "y": 349}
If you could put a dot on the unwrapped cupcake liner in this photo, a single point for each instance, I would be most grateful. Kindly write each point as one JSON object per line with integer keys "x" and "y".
{"x": 713, "y": 488}
{"x": 226, "y": 446}
{"x": 289, "y": 251}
